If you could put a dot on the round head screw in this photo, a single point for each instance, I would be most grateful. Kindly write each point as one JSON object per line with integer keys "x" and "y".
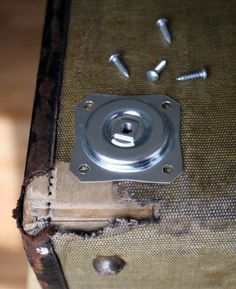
{"x": 154, "y": 74}
{"x": 162, "y": 21}
{"x": 114, "y": 57}
{"x": 162, "y": 24}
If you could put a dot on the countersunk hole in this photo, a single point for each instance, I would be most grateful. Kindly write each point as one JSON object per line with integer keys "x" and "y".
{"x": 126, "y": 128}
{"x": 168, "y": 169}
{"x": 84, "y": 169}
{"x": 89, "y": 105}
{"x": 166, "y": 105}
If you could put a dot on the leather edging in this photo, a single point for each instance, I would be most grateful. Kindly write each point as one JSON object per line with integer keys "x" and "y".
{"x": 40, "y": 253}
{"x": 42, "y": 140}
{"x": 40, "y": 156}
{"x": 44, "y": 261}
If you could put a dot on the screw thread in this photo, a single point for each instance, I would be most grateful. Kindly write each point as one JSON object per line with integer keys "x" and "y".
{"x": 121, "y": 67}
{"x": 198, "y": 74}
{"x": 165, "y": 33}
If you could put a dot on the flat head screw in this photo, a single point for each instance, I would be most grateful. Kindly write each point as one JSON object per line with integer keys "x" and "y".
{"x": 202, "y": 73}
{"x": 154, "y": 74}
{"x": 116, "y": 60}
{"x": 162, "y": 25}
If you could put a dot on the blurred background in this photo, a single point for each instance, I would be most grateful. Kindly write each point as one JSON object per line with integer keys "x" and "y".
{"x": 21, "y": 25}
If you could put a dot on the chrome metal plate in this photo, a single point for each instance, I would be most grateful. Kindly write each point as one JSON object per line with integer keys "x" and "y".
{"x": 127, "y": 138}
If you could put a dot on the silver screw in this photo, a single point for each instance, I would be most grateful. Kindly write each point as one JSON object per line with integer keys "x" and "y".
{"x": 116, "y": 60}
{"x": 162, "y": 24}
{"x": 153, "y": 74}
{"x": 197, "y": 74}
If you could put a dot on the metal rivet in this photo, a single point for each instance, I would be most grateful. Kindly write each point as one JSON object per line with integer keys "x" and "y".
{"x": 108, "y": 265}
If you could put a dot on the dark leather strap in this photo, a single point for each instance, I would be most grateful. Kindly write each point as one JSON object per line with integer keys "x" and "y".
{"x": 44, "y": 260}
{"x": 40, "y": 155}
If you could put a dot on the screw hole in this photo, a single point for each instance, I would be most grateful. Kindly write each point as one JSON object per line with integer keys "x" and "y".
{"x": 127, "y": 128}
{"x": 84, "y": 169}
{"x": 168, "y": 169}
{"x": 166, "y": 105}
{"x": 89, "y": 105}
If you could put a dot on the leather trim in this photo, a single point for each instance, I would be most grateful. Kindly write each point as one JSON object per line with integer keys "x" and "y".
{"x": 44, "y": 261}
{"x": 40, "y": 156}
{"x": 42, "y": 140}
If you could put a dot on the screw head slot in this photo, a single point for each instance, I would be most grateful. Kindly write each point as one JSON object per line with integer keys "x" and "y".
{"x": 166, "y": 105}
{"x": 168, "y": 169}
{"x": 84, "y": 169}
{"x": 89, "y": 105}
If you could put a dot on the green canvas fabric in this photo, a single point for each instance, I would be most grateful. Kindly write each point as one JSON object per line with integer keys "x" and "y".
{"x": 193, "y": 245}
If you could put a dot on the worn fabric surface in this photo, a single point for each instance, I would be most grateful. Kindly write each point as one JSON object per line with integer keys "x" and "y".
{"x": 203, "y": 200}
{"x": 203, "y": 35}
{"x": 161, "y": 256}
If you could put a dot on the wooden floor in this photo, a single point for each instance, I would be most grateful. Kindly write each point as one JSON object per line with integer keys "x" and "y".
{"x": 20, "y": 33}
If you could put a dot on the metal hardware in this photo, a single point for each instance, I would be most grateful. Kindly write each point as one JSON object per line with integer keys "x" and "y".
{"x": 84, "y": 169}
{"x": 116, "y": 60}
{"x": 154, "y": 74}
{"x": 42, "y": 251}
{"x": 198, "y": 74}
{"x": 108, "y": 265}
{"x": 127, "y": 138}
{"x": 162, "y": 24}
